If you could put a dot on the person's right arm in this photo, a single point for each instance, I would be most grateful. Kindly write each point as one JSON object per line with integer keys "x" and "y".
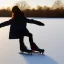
{"x": 6, "y": 23}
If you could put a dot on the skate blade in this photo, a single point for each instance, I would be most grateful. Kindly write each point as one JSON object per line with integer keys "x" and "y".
{"x": 29, "y": 52}
{"x": 38, "y": 52}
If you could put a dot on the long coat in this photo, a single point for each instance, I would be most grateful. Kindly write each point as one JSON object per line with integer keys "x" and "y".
{"x": 18, "y": 27}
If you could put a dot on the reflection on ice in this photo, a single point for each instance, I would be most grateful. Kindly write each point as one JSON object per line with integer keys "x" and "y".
{"x": 39, "y": 59}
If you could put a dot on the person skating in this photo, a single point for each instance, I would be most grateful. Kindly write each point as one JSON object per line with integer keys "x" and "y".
{"x": 18, "y": 28}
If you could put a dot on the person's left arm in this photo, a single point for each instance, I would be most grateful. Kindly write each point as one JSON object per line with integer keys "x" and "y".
{"x": 35, "y": 22}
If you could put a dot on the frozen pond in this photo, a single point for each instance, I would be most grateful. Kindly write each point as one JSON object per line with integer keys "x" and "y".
{"x": 50, "y": 37}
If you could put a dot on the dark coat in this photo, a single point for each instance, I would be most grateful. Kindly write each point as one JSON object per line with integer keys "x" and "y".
{"x": 18, "y": 27}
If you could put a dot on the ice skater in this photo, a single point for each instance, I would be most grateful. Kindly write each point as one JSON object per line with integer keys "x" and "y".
{"x": 18, "y": 28}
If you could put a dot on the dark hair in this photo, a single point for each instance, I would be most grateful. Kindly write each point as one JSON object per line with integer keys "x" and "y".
{"x": 17, "y": 12}
{"x": 15, "y": 9}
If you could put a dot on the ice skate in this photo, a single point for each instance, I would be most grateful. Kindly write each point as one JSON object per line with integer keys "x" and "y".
{"x": 25, "y": 51}
{"x": 35, "y": 48}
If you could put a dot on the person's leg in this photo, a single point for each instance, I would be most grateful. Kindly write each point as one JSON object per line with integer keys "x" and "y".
{"x": 30, "y": 38}
{"x": 32, "y": 44}
{"x": 34, "y": 47}
{"x": 22, "y": 45}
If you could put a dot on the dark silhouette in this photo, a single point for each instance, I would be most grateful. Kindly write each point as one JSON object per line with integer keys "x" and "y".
{"x": 18, "y": 28}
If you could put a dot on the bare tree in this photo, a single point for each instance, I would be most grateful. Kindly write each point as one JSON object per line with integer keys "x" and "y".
{"x": 39, "y": 7}
{"x": 22, "y": 5}
{"x": 57, "y": 5}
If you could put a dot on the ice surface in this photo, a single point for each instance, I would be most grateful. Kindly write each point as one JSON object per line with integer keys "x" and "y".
{"x": 50, "y": 37}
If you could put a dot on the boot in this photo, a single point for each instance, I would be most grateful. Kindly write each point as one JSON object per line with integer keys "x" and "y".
{"x": 23, "y": 48}
{"x": 34, "y": 47}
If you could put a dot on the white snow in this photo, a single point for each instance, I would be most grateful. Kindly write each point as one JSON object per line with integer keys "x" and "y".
{"x": 50, "y": 37}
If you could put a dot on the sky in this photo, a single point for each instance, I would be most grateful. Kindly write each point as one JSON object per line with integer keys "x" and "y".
{"x": 32, "y": 3}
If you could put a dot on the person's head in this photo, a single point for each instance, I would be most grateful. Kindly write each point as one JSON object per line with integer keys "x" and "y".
{"x": 16, "y": 12}
{"x": 15, "y": 9}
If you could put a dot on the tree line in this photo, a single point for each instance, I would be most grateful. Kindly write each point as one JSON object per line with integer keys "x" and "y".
{"x": 5, "y": 13}
{"x": 46, "y": 12}
{"x": 56, "y": 11}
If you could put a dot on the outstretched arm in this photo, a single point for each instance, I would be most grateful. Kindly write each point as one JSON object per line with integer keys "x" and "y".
{"x": 6, "y": 23}
{"x": 35, "y": 22}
